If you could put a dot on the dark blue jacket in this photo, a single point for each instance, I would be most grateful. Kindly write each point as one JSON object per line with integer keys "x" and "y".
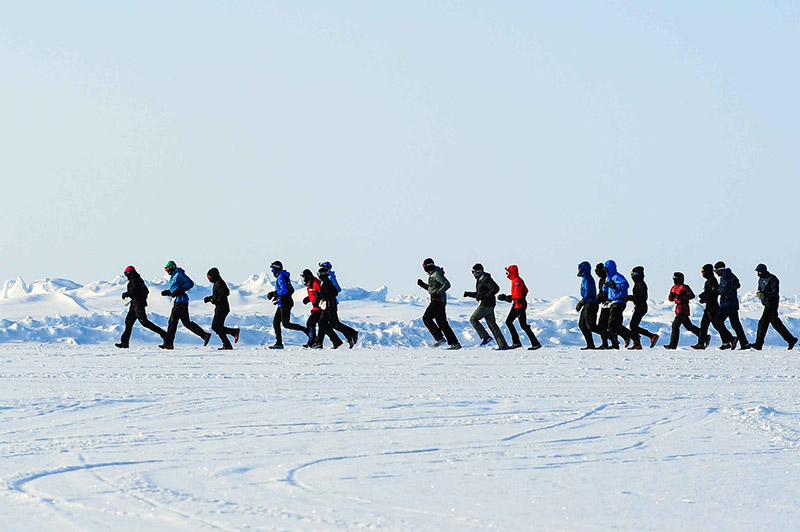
{"x": 179, "y": 284}
{"x": 618, "y": 292}
{"x": 588, "y": 286}
{"x": 282, "y": 282}
{"x": 728, "y": 286}
{"x": 769, "y": 287}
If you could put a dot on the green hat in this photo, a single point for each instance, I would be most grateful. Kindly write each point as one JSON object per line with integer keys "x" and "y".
{"x": 170, "y": 266}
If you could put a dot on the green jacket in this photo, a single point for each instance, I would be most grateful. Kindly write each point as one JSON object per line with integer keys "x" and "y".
{"x": 438, "y": 285}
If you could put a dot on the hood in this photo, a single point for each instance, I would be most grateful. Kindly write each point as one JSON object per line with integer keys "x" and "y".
{"x": 637, "y": 273}
{"x": 584, "y": 269}
{"x": 513, "y": 271}
{"x": 213, "y": 275}
{"x": 611, "y": 266}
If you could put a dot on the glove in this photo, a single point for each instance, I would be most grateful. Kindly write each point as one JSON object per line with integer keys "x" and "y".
{"x": 166, "y": 293}
{"x": 125, "y": 295}
{"x": 306, "y": 300}
{"x": 207, "y": 299}
{"x": 611, "y": 284}
{"x": 471, "y": 294}
{"x": 579, "y": 306}
{"x": 272, "y": 295}
{"x": 701, "y": 298}
{"x": 422, "y": 284}
{"x": 504, "y": 297}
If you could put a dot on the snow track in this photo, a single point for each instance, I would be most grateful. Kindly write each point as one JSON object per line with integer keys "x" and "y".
{"x": 558, "y": 439}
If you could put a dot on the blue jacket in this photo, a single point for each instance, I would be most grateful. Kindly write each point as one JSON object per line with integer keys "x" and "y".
{"x": 728, "y": 285}
{"x": 282, "y": 285}
{"x": 180, "y": 282}
{"x": 588, "y": 287}
{"x": 618, "y": 292}
{"x": 332, "y": 277}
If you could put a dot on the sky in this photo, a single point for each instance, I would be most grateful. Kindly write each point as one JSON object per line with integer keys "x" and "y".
{"x": 376, "y": 134}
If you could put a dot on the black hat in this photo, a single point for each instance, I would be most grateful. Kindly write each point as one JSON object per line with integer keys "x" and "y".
{"x": 276, "y": 265}
{"x": 477, "y": 267}
{"x": 323, "y": 271}
{"x": 638, "y": 270}
{"x": 719, "y": 265}
{"x": 761, "y": 268}
{"x": 707, "y": 270}
{"x": 677, "y": 275}
{"x": 306, "y": 273}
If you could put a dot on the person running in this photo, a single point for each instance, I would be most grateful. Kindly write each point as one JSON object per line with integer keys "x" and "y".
{"x": 330, "y": 312}
{"x": 519, "y": 304}
{"x": 639, "y": 299}
{"x": 313, "y": 287}
{"x": 219, "y": 297}
{"x": 587, "y": 305}
{"x": 710, "y": 298}
{"x": 435, "y": 316}
{"x": 769, "y": 295}
{"x": 338, "y": 325}
{"x": 137, "y": 292}
{"x": 729, "y": 301}
{"x": 486, "y": 290}
{"x": 681, "y": 294}
{"x": 179, "y": 284}
{"x": 603, "y": 303}
{"x": 616, "y": 288}
{"x": 282, "y": 298}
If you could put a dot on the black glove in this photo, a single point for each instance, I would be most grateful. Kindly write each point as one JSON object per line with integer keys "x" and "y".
{"x": 125, "y": 295}
{"x": 422, "y": 284}
{"x": 272, "y": 295}
{"x": 579, "y": 306}
{"x": 504, "y": 297}
{"x": 471, "y": 294}
{"x": 166, "y": 293}
{"x": 306, "y": 300}
{"x": 207, "y": 299}
{"x": 701, "y": 298}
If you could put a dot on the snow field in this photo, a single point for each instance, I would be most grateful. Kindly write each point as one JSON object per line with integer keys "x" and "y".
{"x": 397, "y": 439}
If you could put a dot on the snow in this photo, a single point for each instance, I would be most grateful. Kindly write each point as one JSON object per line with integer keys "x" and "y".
{"x": 94, "y": 438}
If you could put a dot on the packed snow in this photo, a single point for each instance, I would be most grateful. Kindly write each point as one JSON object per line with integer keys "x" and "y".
{"x": 391, "y": 435}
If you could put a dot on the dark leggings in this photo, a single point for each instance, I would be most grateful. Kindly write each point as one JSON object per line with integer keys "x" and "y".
{"x": 317, "y": 337}
{"x": 282, "y": 316}
{"x": 138, "y": 312}
{"x": 732, "y": 314}
{"x": 635, "y": 326}
{"x": 682, "y": 319}
{"x": 711, "y": 316}
{"x": 770, "y": 317}
{"x": 218, "y": 326}
{"x": 435, "y": 319}
{"x": 519, "y": 314}
{"x": 180, "y": 313}
{"x": 588, "y": 323}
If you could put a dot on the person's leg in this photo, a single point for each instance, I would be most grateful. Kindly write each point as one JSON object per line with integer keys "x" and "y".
{"x": 512, "y": 316}
{"x": 636, "y": 320}
{"x": 733, "y": 315}
{"x": 218, "y": 326}
{"x": 331, "y": 323}
{"x": 286, "y": 315}
{"x": 705, "y": 321}
{"x": 586, "y": 327}
{"x": 192, "y": 326}
{"x": 615, "y": 324}
{"x": 523, "y": 324}
{"x": 602, "y": 325}
{"x": 336, "y": 324}
{"x": 781, "y": 329}
{"x": 763, "y": 325}
{"x": 311, "y": 325}
{"x": 276, "y": 326}
{"x": 675, "y": 333}
{"x": 130, "y": 319}
{"x": 475, "y": 321}
{"x": 691, "y": 327}
{"x": 428, "y": 320}
{"x": 719, "y": 325}
{"x": 444, "y": 325}
{"x": 141, "y": 315}
{"x": 172, "y": 326}
{"x": 496, "y": 332}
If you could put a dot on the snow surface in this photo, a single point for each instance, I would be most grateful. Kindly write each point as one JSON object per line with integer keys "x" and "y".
{"x": 61, "y": 311}
{"x": 94, "y": 438}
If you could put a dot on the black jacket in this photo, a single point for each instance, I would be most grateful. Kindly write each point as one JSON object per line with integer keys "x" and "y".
{"x": 710, "y": 294}
{"x": 220, "y": 293}
{"x": 486, "y": 290}
{"x": 137, "y": 290}
{"x": 769, "y": 289}
{"x": 638, "y": 294}
{"x": 327, "y": 295}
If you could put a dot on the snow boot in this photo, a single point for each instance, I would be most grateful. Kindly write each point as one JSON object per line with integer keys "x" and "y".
{"x": 454, "y": 347}
{"x": 515, "y": 345}
{"x": 734, "y": 341}
{"x": 535, "y": 347}
{"x": 352, "y": 341}
{"x": 486, "y": 341}
{"x": 206, "y": 339}
{"x": 125, "y": 346}
{"x": 438, "y": 343}
{"x": 225, "y": 348}
{"x": 792, "y": 343}
{"x": 635, "y": 347}
{"x": 276, "y": 346}
{"x": 165, "y": 346}
{"x": 653, "y": 341}
{"x": 236, "y": 336}
{"x": 503, "y": 348}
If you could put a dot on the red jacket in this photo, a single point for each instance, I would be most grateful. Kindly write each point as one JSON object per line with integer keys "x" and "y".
{"x": 681, "y": 294}
{"x": 518, "y": 289}
{"x": 312, "y": 296}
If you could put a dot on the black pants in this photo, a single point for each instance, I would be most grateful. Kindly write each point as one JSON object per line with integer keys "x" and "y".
{"x": 180, "y": 313}
{"x": 316, "y": 318}
{"x": 602, "y": 324}
{"x": 615, "y": 327}
{"x": 435, "y": 319}
{"x": 330, "y": 317}
{"x": 635, "y": 326}
{"x": 218, "y": 325}
{"x": 282, "y": 316}
{"x": 138, "y": 312}
{"x": 521, "y": 315}
{"x": 770, "y": 317}
{"x": 682, "y": 319}
{"x": 588, "y": 323}
{"x": 711, "y": 316}
{"x": 732, "y": 314}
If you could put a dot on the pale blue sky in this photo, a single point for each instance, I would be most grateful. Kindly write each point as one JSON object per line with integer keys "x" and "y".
{"x": 374, "y": 135}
